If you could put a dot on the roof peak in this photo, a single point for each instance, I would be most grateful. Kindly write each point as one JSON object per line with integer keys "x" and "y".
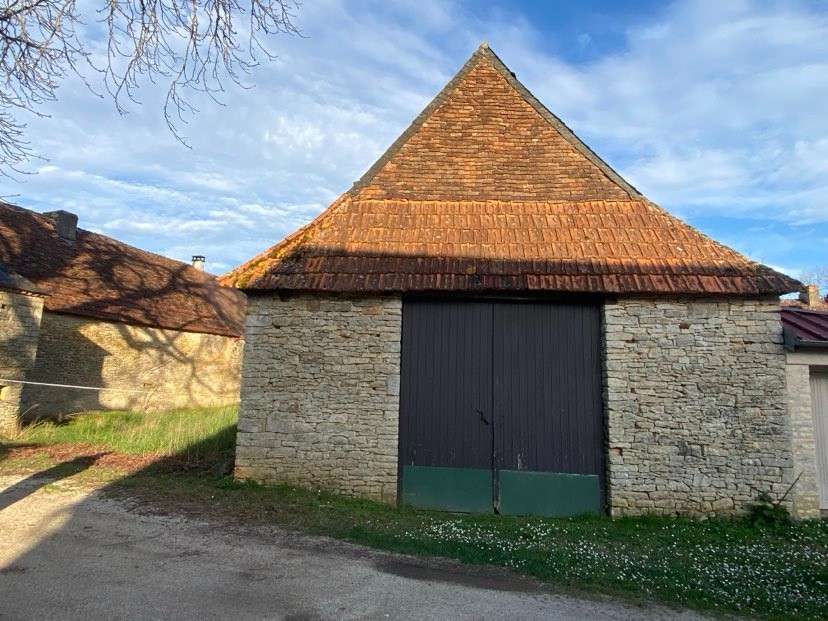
{"x": 501, "y": 101}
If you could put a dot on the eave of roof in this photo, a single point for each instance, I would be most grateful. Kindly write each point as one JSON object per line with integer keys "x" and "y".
{"x": 420, "y": 256}
{"x": 14, "y": 282}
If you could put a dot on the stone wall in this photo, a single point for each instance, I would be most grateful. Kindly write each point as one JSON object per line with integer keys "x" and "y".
{"x": 695, "y": 394}
{"x": 806, "y": 492}
{"x": 145, "y": 368}
{"x": 19, "y": 325}
{"x": 320, "y": 393}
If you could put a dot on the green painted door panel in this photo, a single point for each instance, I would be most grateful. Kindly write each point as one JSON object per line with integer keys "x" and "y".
{"x": 448, "y": 489}
{"x": 548, "y": 494}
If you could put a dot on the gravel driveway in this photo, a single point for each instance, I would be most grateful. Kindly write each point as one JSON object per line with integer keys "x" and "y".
{"x": 68, "y": 553}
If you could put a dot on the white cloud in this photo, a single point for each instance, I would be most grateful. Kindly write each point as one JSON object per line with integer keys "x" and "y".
{"x": 710, "y": 108}
{"x": 720, "y": 103}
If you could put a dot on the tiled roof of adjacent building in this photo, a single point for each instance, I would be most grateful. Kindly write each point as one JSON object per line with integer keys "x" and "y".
{"x": 805, "y": 327}
{"x": 97, "y": 276}
{"x": 489, "y": 191}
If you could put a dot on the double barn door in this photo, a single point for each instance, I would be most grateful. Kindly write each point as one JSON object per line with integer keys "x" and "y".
{"x": 500, "y": 407}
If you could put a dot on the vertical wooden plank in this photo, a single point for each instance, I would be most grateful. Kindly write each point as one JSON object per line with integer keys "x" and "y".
{"x": 531, "y": 371}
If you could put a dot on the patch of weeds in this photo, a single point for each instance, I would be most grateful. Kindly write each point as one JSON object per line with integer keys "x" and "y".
{"x": 192, "y": 435}
{"x": 768, "y": 513}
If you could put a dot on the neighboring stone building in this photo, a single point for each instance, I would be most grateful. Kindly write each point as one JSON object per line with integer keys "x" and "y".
{"x": 21, "y": 305}
{"x": 806, "y": 342}
{"x": 154, "y": 333}
{"x": 492, "y": 319}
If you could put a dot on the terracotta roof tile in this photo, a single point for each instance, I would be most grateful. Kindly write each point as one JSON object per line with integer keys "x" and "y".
{"x": 97, "y": 276}
{"x": 488, "y": 190}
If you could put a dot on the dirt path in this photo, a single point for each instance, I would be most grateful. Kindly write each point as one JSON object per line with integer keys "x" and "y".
{"x": 67, "y": 553}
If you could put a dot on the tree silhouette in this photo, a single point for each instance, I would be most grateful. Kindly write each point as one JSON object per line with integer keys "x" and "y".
{"x": 191, "y": 45}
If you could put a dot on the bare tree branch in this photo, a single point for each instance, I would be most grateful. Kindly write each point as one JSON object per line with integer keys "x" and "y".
{"x": 191, "y": 45}
{"x": 817, "y": 275}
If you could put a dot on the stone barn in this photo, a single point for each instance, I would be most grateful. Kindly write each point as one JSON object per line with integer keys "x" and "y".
{"x": 492, "y": 319}
{"x": 101, "y": 325}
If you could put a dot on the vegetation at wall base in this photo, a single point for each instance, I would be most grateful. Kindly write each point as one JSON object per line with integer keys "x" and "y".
{"x": 762, "y": 566}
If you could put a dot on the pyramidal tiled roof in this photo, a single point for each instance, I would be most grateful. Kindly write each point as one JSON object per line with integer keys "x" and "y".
{"x": 489, "y": 191}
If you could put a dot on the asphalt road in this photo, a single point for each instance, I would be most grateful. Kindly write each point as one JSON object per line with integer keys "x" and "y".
{"x": 71, "y": 554}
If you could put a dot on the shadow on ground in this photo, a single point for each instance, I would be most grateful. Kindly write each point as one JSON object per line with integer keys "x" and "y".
{"x": 186, "y": 541}
{"x": 40, "y": 479}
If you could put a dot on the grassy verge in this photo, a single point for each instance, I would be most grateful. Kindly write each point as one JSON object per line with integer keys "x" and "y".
{"x": 199, "y": 434}
{"x": 775, "y": 572}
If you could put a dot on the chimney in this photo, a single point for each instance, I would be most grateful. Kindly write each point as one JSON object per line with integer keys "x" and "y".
{"x": 810, "y": 297}
{"x": 66, "y": 224}
{"x": 198, "y": 262}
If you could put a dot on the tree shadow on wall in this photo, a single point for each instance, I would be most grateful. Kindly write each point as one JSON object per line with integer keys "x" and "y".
{"x": 153, "y": 306}
{"x": 79, "y": 361}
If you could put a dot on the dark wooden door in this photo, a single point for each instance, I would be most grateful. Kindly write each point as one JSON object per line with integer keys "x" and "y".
{"x": 549, "y": 433}
{"x": 500, "y": 407}
{"x": 446, "y": 432}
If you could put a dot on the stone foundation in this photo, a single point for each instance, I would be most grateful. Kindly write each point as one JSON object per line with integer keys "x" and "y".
{"x": 143, "y": 368}
{"x": 695, "y": 395}
{"x": 320, "y": 393}
{"x": 20, "y": 316}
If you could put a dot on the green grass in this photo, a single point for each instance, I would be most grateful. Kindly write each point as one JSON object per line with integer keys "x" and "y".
{"x": 190, "y": 434}
{"x": 729, "y": 566}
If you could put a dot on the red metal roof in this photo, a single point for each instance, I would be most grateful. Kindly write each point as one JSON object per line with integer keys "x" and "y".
{"x": 807, "y": 325}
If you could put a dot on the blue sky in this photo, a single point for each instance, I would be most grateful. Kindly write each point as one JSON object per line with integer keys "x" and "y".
{"x": 715, "y": 110}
